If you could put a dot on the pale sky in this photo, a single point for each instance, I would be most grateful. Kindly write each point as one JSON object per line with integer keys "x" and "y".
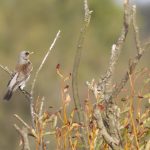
{"x": 141, "y": 2}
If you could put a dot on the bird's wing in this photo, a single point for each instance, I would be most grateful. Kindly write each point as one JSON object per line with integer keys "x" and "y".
{"x": 12, "y": 76}
{"x": 20, "y": 77}
{"x": 13, "y": 81}
{"x": 20, "y": 81}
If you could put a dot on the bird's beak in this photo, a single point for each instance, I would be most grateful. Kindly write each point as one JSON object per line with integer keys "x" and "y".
{"x": 30, "y": 53}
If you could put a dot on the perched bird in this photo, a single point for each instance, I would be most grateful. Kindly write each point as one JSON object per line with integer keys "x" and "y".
{"x": 21, "y": 74}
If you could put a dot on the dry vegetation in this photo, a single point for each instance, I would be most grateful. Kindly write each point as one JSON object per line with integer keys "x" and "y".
{"x": 111, "y": 122}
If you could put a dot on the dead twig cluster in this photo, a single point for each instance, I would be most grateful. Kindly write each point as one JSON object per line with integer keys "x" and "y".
{"x": 109, "y": 122}
{"x": 101, "y": 125}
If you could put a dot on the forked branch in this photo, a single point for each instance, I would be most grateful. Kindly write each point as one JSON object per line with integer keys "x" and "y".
{"x": 24, "y": 137}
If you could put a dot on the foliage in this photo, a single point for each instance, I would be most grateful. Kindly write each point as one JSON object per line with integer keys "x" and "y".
{"x": 135, "y": 122}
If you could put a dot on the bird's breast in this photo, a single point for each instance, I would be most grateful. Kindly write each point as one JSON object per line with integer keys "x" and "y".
{"x": 24, "y": 68}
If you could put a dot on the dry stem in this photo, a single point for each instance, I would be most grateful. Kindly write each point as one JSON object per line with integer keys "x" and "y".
{"x": 77, "y": 101}
{"x": 36, "y": 75}
{"x": 77, "y": 61}
{"x": 43, "y": 61}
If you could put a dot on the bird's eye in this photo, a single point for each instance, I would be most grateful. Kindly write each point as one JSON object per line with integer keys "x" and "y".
{"x": 26, "y": 53}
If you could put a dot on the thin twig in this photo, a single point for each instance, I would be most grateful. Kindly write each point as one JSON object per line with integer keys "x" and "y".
{"x": 6, "y": 69}
{"x": 36, "y": 76}
{"x": 43, "y": 61}
{"x": 136, "y": 31}
{"x": 22, "y": 121}
{"x": 132, "y": 66}
{"x": 49, "y": 133}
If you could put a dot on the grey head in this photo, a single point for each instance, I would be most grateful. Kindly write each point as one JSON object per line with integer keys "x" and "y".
{"x": 24, "y": 57}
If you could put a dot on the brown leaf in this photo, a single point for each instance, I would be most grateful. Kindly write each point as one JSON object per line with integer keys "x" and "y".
{"x": 101, "y": 107}
{"x": 58, "y": 66}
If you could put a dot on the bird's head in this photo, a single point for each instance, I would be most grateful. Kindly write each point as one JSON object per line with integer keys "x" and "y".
{"x": 24, "y": 56}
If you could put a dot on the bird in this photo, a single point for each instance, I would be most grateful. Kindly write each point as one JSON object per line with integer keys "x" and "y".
{"x": 21, "y": 74}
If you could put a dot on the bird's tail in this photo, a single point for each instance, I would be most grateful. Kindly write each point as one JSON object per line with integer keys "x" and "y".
{"x": 8, "y": 95}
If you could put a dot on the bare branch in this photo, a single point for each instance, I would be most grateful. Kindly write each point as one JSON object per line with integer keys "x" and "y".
{"x": 105, "y": 83}
{"x": 77, "y": 60}
{"x": 133, "y": 62}
{"x": 112, "y": 142}
{"x": 41, "y": 106}
{"x": 116, "y": 48}
{"x": 77, "y": 102}
{"x": 26, "y": 94}
{"x": 136, "y": 31}
{"x": 24, "y": 136}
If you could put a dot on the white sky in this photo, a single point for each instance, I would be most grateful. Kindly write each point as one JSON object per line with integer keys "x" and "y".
{"x": 141, "y": 2}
